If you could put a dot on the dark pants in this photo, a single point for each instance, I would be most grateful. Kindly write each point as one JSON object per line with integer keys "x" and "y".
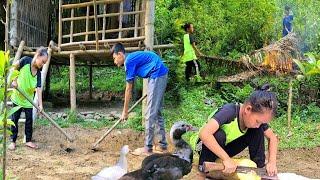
{"x": 28, "y": 124}
{"x": 254, "y": 139}
{"x": 191, "y": 65}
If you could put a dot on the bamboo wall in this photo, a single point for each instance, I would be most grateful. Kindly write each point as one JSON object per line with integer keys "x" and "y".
{"x": 97, "y": 22}
{"x": 29, "y": 21}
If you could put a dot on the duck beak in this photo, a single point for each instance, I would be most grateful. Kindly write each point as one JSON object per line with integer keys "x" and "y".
{"x": 191, "y": 128}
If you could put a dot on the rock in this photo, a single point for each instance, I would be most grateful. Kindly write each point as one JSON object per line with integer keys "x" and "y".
{"x": 64, "y": 115}
{"x": 109, "y": 118}
{"x": 59, "y": 115}
{"x": 87, "y": 112}
{"x": 97, "y": 117}
{"x": 89, "y": 116}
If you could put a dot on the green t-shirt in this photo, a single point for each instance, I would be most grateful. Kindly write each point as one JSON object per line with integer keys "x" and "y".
{"x": 228, "y": 119}
{"x": 189, "y": 54}
{"x": 26, "y": 82}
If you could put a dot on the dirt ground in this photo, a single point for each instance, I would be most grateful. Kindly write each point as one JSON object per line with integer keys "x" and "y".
{"x": 52, "y": 161}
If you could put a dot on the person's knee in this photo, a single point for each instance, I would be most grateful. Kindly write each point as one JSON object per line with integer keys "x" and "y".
{"x": 220, "y": 137}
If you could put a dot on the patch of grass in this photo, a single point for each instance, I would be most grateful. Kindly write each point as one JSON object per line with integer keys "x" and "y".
{"x": 109, "y": 79}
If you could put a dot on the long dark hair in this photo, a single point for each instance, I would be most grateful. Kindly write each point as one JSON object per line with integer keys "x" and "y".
{"x": 186, "y": 26}
{"x": 263, "y": 99}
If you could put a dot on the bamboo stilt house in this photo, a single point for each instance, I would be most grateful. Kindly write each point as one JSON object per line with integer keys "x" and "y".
{"x": 84, "y": 31}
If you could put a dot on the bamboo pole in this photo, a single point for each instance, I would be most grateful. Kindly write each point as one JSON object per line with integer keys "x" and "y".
{"x": 71, "y": 26}
{"x": 90, "y": 81}
{"x": 96, "y": 24}
{"x": 289, "y": 107}
{"x": 102, "y": 51}
{"x": 103, "y": 41}
{"x": 87, "y": 23}
{"x": 104, "y": 23}
{"x": 73, "y": 97}
{"x": 101, "y": 32}
{"x": 136, "y": 19}
{"x": 90, "y": 3}
{"x": 109, "y": 130}
{"x": 143, "y": 16}
{"x": 149, "y": 42}
{"x": 60, "y": 24}
{"x": 101, "y": 16}
{"x": 6, "y": 25}
{"x": 120, "y": 19}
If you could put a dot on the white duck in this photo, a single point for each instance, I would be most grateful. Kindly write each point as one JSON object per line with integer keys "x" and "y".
{"x": 116, "y": 171}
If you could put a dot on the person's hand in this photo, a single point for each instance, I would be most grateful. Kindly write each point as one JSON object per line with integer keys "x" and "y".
{"x": 40, "y": 109}
{"x": 229, "y": 166}
{"x": 271, "y": 168}
{"x": 124, "y": 116}
{"x": 14, "y": 84}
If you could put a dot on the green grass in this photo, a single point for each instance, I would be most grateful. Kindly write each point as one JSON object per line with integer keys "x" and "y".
{"x": 110, "y": 79}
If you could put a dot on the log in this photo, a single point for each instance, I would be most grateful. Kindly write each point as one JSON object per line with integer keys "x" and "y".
{"x": 73, "y": 97}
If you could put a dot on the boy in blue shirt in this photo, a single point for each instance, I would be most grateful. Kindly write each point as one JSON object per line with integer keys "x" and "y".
{"x": 145, "y": 64}
{"x": 287, "y": 22}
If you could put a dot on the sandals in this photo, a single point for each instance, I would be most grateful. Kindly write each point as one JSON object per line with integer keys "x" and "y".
{"x": 31, "y": 145}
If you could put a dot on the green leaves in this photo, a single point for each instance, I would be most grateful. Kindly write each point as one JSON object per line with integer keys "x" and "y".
{"x": 309, "y": 68}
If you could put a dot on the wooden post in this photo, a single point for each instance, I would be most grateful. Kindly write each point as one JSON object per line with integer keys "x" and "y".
{"x": 60, "y": 24}
{"x": 71, "y": 26}
{"x": 96, "y": 24}
{"x": 6, "y": 26}
{"x": 90, "y": 81}
{"x": 73, "y": 97}
{"x": 289, "y": 107}
{"x": 120, "y": 19}
{"x": 87, "y": 23}
{"x": 136, "y": 18}
{"x": 104, "y": 22}
{"x": 149, "y": 42}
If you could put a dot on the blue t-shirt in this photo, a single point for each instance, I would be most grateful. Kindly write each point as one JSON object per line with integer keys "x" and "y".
{"x": 145, "y": 64}
{"x": 287, "y": 26}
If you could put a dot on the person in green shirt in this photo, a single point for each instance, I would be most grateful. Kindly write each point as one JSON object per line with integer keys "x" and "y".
{"x": 190, "y": 50}
{"x": 29, "y": 81}
{"x": 237, "y": 126}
